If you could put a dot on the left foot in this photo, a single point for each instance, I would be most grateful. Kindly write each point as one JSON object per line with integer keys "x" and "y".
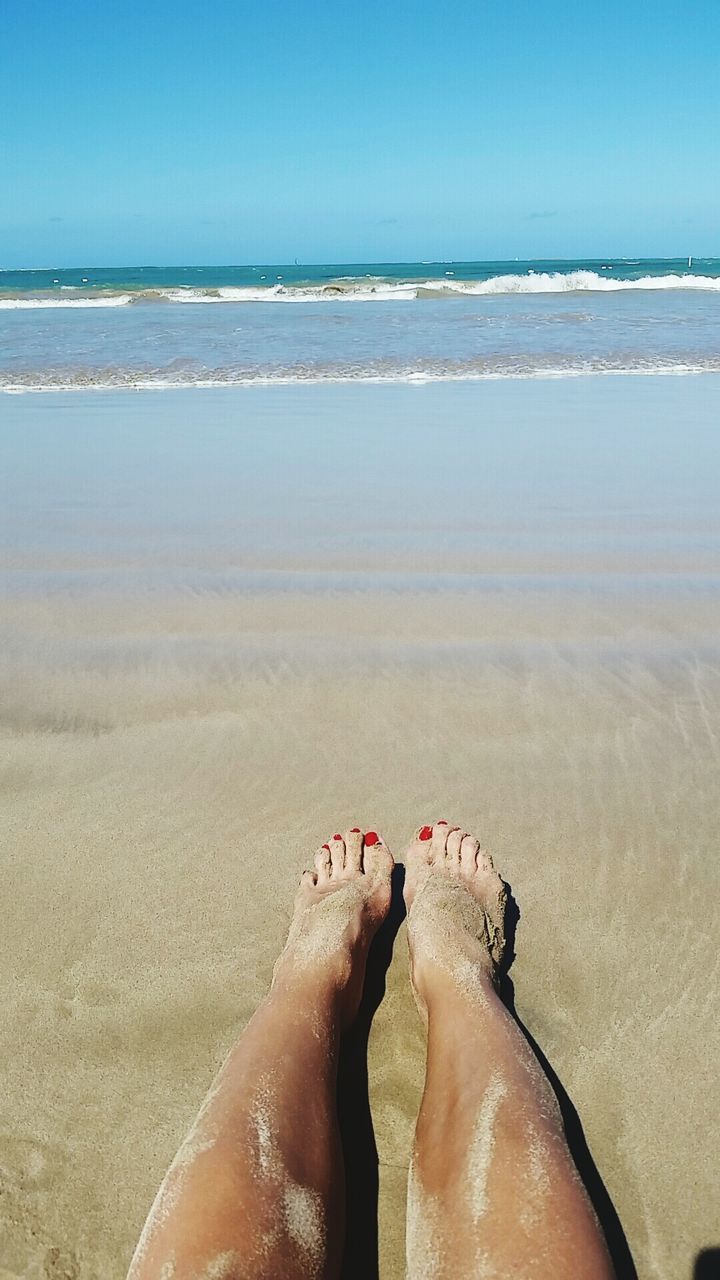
{"x": 338, "y": 910}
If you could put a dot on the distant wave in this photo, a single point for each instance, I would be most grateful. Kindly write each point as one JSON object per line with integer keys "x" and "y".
{"x": 491, "y": 369}
{"x": 368, "y": 289}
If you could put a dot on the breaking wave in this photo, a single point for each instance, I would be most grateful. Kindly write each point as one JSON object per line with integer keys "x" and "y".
{"x": 366, "y": 289}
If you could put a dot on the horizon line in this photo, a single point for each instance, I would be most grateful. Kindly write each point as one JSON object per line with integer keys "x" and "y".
{"x": 380, "y": 262}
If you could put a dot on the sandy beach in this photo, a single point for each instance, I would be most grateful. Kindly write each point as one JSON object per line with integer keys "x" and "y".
{"x": 235, "y": 621}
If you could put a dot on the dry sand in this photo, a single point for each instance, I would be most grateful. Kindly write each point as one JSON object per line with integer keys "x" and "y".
{"x": 236, "y": 622}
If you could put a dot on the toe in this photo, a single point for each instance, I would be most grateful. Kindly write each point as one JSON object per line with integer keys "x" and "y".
{"x": 322, "y": 864}
{"x": 420, "y": 847}
{"x": 418, "y": 855}
{"x": 468, "y": 854}
{"x": 452, "y": 849}
{"x": 353, "y": 849}
{"x": 337, "y": 854}
{"x": 438, "y": 843}
{"x": 483, "y": 860}
{"x": 377, "y": 859}
{"x": 308, "y": 881}
{"x": 417, "y": 859}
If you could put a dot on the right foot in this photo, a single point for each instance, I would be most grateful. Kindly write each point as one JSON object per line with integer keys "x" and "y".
{"x": 456, "y": 904}
{"x": 338, "y": 910}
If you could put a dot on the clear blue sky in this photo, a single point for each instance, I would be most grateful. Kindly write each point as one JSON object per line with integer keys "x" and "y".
{"x": 217, "y": 131}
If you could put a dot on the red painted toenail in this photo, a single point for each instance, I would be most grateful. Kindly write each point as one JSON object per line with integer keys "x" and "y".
{"x": 326, "y": 846}
{"x": 372, "y": 837}
{"x": 355, "y": 831}
{"x": 426, "y": 833}
{"x": 338, "y": 837}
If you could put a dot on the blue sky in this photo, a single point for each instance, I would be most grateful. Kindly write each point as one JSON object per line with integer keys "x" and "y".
{"x": 220, "y": 131}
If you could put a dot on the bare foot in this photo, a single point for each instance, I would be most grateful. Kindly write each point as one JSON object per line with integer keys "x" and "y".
{"x": 456, "y": 905}
{"x": 338, "y": 910}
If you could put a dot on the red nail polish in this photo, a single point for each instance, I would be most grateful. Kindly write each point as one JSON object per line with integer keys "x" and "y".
{"x": 355, "y": 831}
{"x": 425, "y": 834}
{"x": 326, "y": 846}
{"x": 372, "y": 837}
{"x": 338, "y": 837}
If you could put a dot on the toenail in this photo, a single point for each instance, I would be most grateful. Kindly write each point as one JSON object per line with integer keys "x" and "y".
{"x": 441, "y": 823}
{"x": 426, "y": 833}
{"x": 337, "y": 837}
{"x": 326, "y": 846}
{"x": 372, "y": 837}
{"x": 355, "y": 831}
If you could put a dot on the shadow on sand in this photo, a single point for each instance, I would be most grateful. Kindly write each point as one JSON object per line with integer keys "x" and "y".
{"x": 360, "y": 1260}
{"x": 615, "y": 1237}
{"x": 707, "y": 1265}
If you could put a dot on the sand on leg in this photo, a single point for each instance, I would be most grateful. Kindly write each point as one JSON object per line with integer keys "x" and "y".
{"x": 257, "y": 1188}
{"x": 493, "y": 1188}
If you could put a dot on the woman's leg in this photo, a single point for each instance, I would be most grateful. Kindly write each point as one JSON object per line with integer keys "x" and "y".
{"x": 493, "y": 1189}
{"x": 257, "y": 1188}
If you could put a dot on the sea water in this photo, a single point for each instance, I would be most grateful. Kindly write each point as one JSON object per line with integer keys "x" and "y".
{"x": 213, "y": 326}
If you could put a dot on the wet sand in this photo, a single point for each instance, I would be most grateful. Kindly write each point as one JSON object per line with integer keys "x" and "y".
{"x": 234, "y": 622}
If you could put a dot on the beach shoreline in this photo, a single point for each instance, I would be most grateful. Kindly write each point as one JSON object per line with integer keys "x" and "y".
{"x": 206, "y": 327}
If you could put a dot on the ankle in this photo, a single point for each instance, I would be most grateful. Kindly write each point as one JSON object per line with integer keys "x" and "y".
{"x": 333, "y": 985}
{"x": 454, "y": 980}
{"x": 318, "y": 983}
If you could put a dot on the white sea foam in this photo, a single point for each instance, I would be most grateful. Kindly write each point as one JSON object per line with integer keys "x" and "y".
{"x": 578, "y": 282}
{"x": 340, "y": 291}
{"x": 129, "y": 381}
{"x": 378, "y": 289}
{"x": 39, "y": 304}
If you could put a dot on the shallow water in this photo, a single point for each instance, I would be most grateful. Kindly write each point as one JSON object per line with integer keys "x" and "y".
{"x": 206, "y": 326}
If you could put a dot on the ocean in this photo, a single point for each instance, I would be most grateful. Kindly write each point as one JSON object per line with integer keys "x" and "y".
{"x": 158, "y": 327}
